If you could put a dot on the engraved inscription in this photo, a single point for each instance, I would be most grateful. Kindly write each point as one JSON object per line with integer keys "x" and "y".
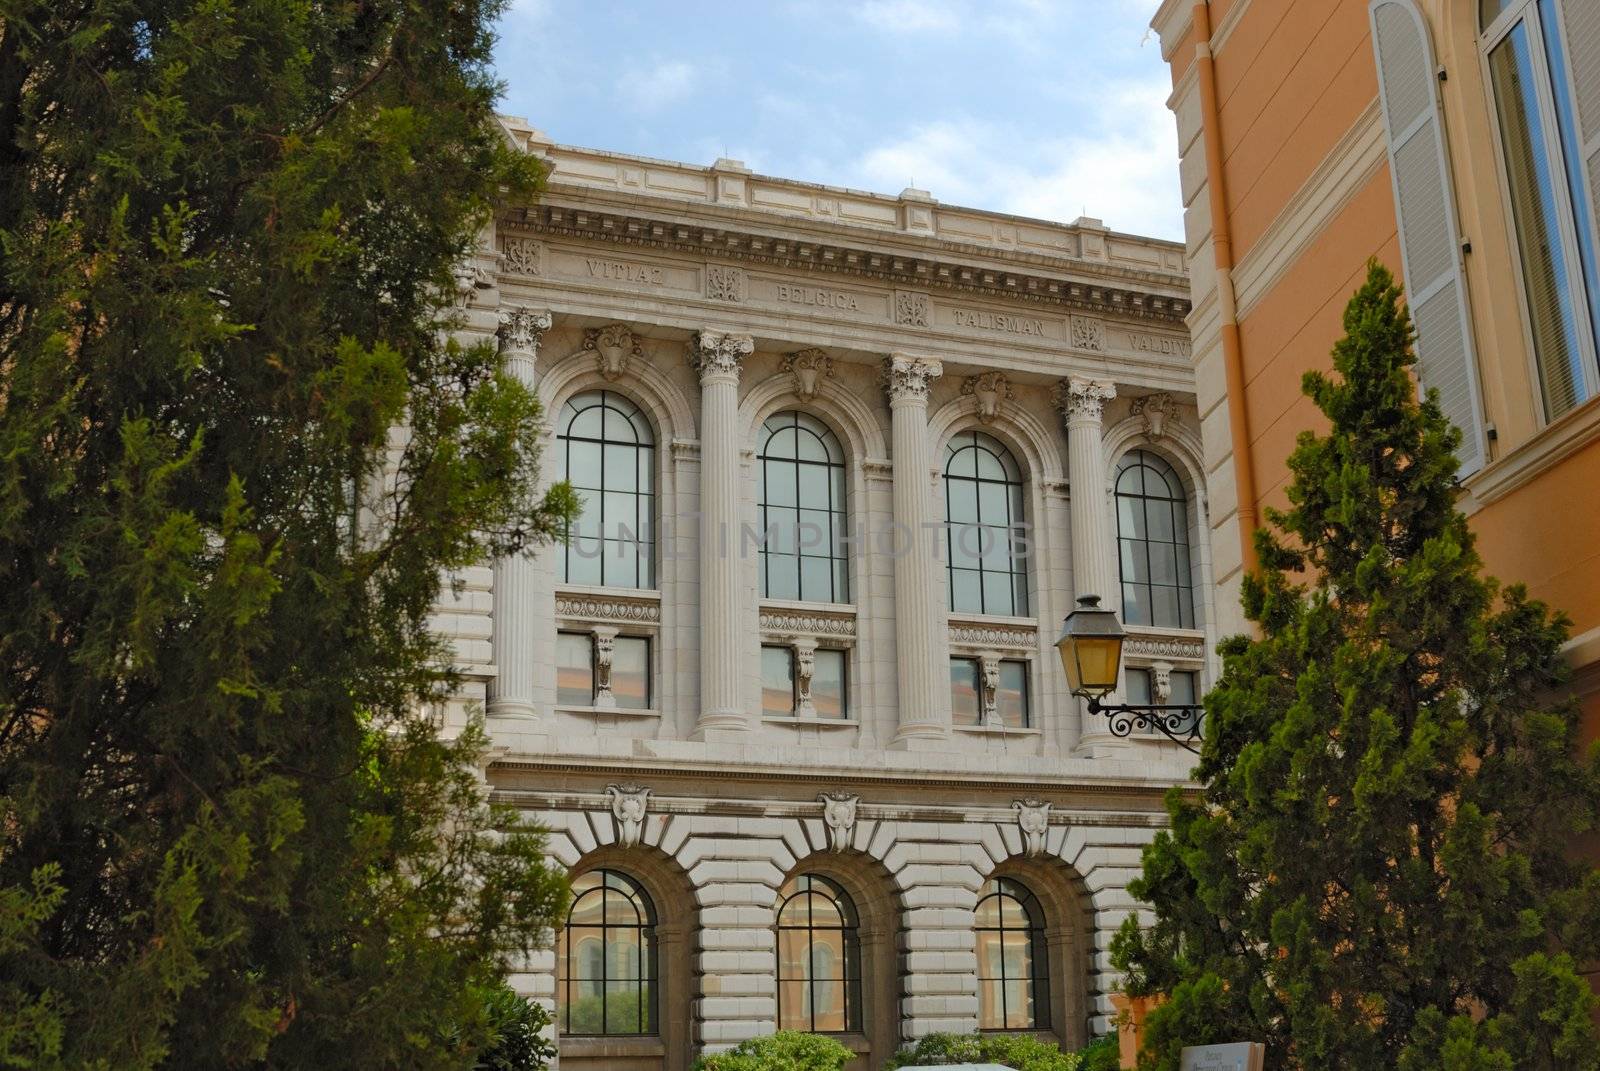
{"x": 623, "y": 272}
{"x": 998, "y": 321}
{"x": 1159, "y": 344}
{"x": 811, "y": 295}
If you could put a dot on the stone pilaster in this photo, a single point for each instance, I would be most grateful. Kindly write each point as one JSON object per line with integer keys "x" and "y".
{"x": 516, "y": 613}
{"x": 718, "y": 358}
{"x": 918, "y": 605}
{"x": 1094, "y": 560}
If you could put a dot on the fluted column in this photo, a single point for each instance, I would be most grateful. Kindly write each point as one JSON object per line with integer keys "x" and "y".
{"x": 918, "y": 600}
{"x": 718, "y": 358}
{"x": 516, "y": 620}
{"x": 1094, "y": 559}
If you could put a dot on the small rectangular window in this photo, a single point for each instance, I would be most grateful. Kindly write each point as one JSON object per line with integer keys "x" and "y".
{"x": 965, "y": 707}
{"x": 828, "y": 681}
{"x": 630, "y": 672}
{"x": 1011, "y": 698}
{"x": 1183, "y": 687}
{"x": 1140, "y": 687}
{"x": 777, "y": 682}
{"x": 574, "y": 669}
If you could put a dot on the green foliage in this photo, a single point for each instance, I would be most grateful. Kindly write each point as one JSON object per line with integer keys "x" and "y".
{"x": 1022, "y": 1051}
{"x": 787, "y": 1050}
{"x": 1379, "y": 870}
{"x": 229, "y": 833}
{"x": 520, "y": 1034}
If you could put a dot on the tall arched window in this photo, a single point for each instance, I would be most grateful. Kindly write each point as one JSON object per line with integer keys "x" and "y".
{"x": 1153, "y": 543}
{"x": 802, "y": 511}
{"x": 819, "y": 957}
{"x": 608, "y": 966}
{"x": 985, "y": 539}
{"x": 608, "y": 452}
{"x": 1013, "y": 967}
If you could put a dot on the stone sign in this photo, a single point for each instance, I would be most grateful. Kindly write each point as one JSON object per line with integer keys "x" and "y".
{"x": 1239, "y": 1056}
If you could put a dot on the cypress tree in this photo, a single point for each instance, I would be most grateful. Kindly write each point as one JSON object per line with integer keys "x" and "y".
{"x": 230, "y": 834}
{"x": 1378, "y": 870}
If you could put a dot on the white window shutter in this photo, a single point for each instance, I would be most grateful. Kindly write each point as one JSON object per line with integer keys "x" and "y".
{"x": 1430, "y": 243}
{"x": 1580, "y": 28}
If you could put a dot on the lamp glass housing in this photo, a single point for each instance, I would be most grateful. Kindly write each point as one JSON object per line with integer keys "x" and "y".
{"x": 1091, "y": 649}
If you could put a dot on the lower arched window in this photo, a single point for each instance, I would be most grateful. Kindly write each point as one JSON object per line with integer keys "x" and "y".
{"x": 1013, "y": 968}
{"x": 819, "y": 958}
{"x": 608, "y": 963}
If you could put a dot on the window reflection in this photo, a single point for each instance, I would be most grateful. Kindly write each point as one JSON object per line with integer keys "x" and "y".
{"x": 1013, "y": 975}
{"x": 819, "y": 957}
{"x": 608, "y": 969}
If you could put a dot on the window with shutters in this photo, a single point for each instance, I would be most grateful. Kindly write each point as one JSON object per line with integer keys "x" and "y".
{"x": 1543, "y": 59}
{"x": 1430, "y": 240}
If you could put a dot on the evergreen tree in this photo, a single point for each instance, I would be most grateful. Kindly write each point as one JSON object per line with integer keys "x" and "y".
{"x": 230, "y": 835}
{"x": 1378, "y": 870}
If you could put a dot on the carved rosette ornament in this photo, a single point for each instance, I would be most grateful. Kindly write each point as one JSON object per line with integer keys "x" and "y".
{"x": 809, "y": 367}
{"x": 910, "y": 379}
{"x": 1084, "y": 399}
{"x": 628, "y": 802}
{"x": 719, "y": 356}
{"x": 612, "y": 345}
{"x": 521, "y": 329}
{"x": 990, "y": 389}
{"x": 839, "y": 817}
{"x": 1033, "y": 818}
{"x": 1156, "y": 409}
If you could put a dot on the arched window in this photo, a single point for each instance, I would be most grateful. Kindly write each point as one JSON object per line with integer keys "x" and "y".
{"x": 1153, "y": 543}
{"x": 819, "y": 958}
{"x": 608, "y": 967}
{"x": 1013, "y": 967}
{"x": 802, "y": 511}
{"x": 608, "y": 452}
{"x": 985, "y": 539}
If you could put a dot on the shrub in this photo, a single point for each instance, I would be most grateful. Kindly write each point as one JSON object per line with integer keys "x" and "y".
{"x": 519, "y": 1042}
{"x": 787, "y": 1050}
{"x": 1021, "y": 1051}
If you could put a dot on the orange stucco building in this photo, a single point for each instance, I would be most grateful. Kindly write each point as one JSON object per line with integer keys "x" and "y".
{"x": 1302, "y": 125}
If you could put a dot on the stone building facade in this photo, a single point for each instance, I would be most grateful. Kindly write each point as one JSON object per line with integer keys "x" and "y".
{"x": 805, "y": 747}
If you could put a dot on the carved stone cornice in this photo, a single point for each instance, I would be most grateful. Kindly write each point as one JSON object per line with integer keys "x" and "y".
{"x": 942, "y": 264}
{"x": 627, "y": 609}
{"x": 808, "y": 367}
{"x": 828, "y": 624}
{"x": 977, "y": 634}
{"x": 990, "y": 389}
{"x": 909, "y": 379}
{"x": 1084, "y": 399}
{"x": 719, "y": 356}
{"x": 521, "y": 328}
{"x": 1146, "y": 645}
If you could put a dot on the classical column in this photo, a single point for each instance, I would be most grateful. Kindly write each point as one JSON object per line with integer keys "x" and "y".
{"x": 1094, "y": 568}
{"x": 516, "y": 621}
{"x": 718, "y": 357}
{"x": 918, "y": 596}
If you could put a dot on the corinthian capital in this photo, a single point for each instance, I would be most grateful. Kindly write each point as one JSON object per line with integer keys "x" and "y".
{"x": 908, "y": 379}
{"x": 521, "y": 328}
{"x": 716, "y": 355}
{"x": 1084, "y": 399}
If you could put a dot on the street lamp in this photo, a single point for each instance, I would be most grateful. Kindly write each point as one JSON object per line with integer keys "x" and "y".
{"x": 1091, "y": 653}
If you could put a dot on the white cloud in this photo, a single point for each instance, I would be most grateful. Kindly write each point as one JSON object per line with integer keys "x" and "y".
{"x": 668, "y": 82}
{"x": 1124, "y": 170}
{"x": 909, "y": 16}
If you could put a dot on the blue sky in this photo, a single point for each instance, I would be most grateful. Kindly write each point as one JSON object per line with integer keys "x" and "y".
{"x": 1047, "y": 108}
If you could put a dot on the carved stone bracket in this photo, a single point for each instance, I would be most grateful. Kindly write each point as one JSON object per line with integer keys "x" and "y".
{"x": 1033, "y": 818}
{"x": 612, "y": 346}
{"x": 809, "y": 367}
{"x": 717, "y": 355}
{"x": 1084, "y": 399}
{"x": 990, "y": 389}
{"x": 805, "y": 667}
{"x": 910, "y": 379}
{"x": 628, "y": 803}
{"x": 839, "y": 817}
{"x": 605, "y": 640}
{"x": 521, "y": 329}
{"x": 1157, "y": 410}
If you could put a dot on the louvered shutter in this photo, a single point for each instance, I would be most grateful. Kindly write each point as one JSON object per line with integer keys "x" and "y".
{"x": 1430, "y": 244}
{"x": 1580, "y": 28}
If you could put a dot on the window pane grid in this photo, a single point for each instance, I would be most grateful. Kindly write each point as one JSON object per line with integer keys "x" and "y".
{"x": 1013, "y": 974}
{"x": 1153, "y": 543}
{"x": 985, "y": 532}
{"x": 802, "y": 510}
{"x": 819, "y": 958}
{"x": 608, "y": 455}
{"x": 609, "y": 966}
